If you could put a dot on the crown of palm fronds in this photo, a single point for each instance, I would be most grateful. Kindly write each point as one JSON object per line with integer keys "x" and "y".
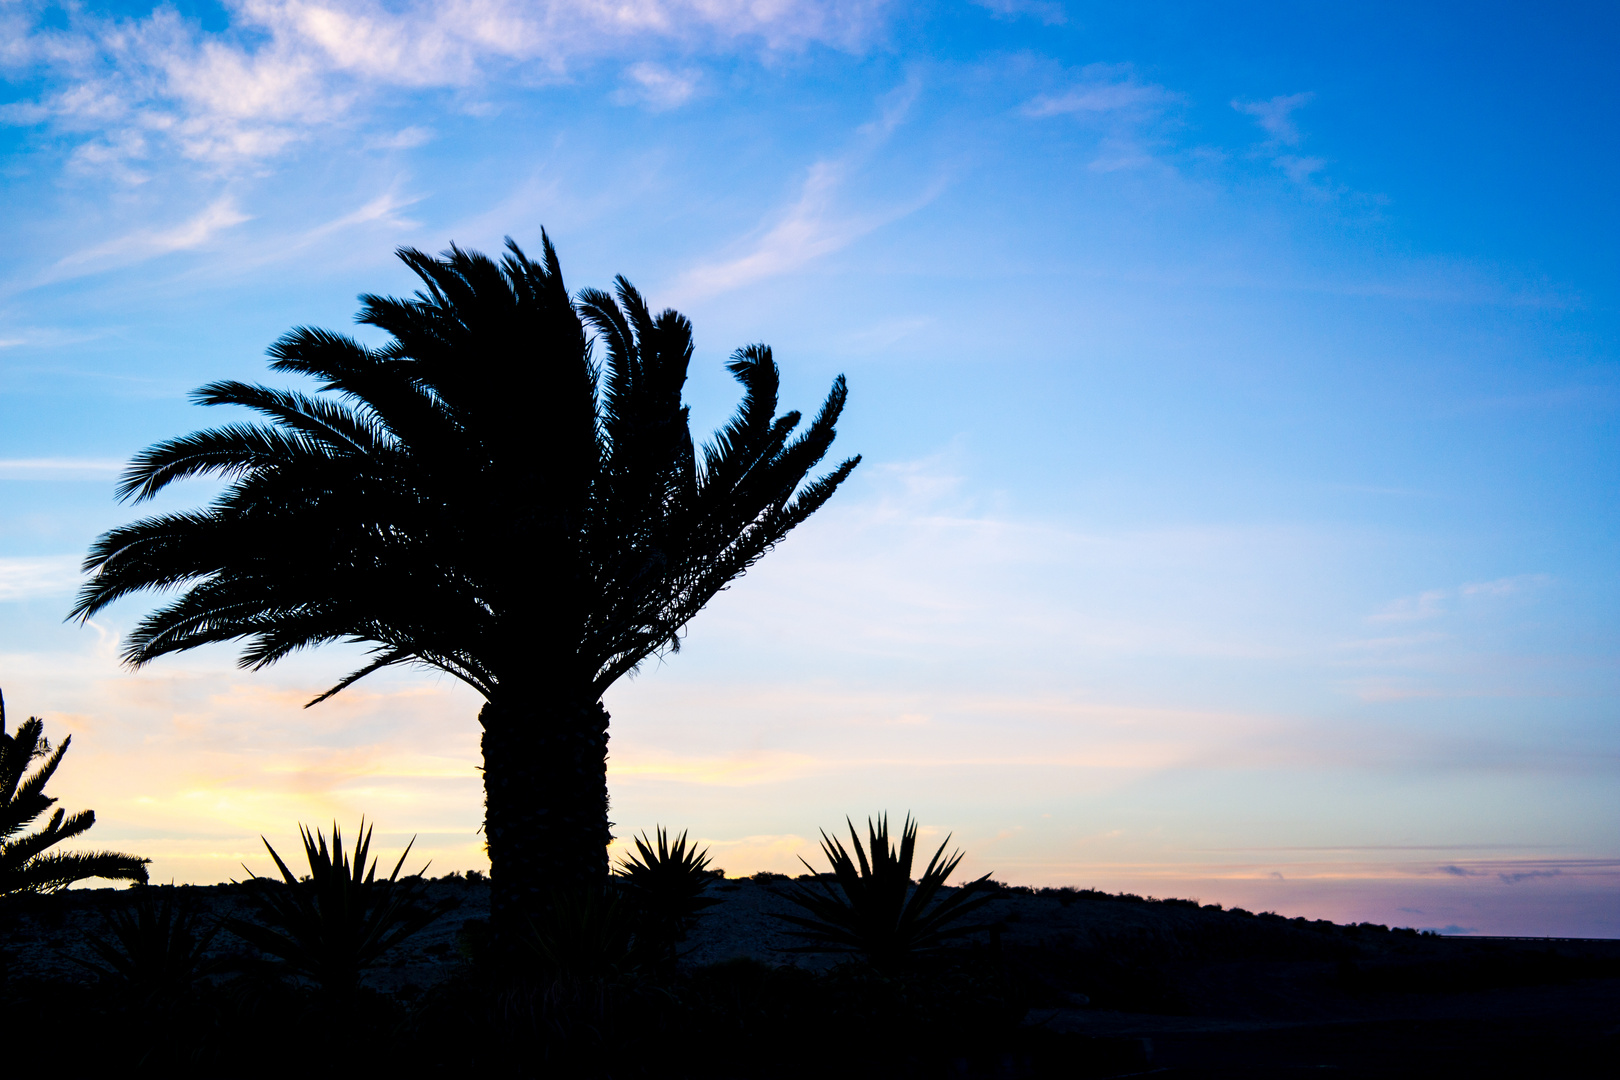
{"x": 477, "y": 494}
{"x": 26, "y": 865}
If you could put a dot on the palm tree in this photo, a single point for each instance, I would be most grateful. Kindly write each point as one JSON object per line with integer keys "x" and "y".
{"x": 481, "y": 497}
{"x": 25, "y": 864}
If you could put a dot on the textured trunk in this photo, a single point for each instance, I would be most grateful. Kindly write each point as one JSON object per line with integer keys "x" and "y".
{"x": 545, "y": 805}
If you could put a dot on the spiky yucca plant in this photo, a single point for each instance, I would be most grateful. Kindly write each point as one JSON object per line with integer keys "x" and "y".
{"x": 665, "y": 883}
{"x": 25, "y": 867}
{"x": 157, "y": 948}
{"x": 876, "y": 910}
{"x": 338, "y": 921}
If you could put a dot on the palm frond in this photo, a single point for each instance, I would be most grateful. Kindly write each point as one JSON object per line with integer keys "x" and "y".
{"x": 57, "y": 870}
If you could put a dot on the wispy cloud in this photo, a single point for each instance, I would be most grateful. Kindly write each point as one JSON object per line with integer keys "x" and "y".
{"x": 30, "y": 578}
{"x": 143, "y": 244}
{"x": 808, "y": 229}
{"x": 1110, "y": 96}
{"x": 657, "y": 87}
{"x": 1508, "y": 586}
{"x": 134, "y": 89}
{"x": 1102, "y": 89}
{"x": 1047, "y": 11}
{"x": 383, "y": 209}
{"x": 1429, "y": 604}
{"x": 1434, "y": 603}
{"x": 58, "y": 468}
{"x": 1275, "y": 116}
{"x": 404, "y": 139}
{"x": 817, "y": 222}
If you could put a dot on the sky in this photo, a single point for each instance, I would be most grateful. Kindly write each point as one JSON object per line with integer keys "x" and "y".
{"x": 1237, "y": 388}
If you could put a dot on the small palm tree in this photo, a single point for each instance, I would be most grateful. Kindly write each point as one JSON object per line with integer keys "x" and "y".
{"x": 25, "y": 867}
{"x": 483, "y": 496}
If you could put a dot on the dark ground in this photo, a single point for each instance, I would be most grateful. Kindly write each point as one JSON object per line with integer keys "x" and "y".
{"x": 1067, "y": 985}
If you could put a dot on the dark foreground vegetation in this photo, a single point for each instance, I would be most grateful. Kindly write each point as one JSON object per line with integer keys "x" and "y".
{"x": 1061, "y": 983}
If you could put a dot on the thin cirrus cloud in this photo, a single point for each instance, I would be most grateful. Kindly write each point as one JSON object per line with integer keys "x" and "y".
{"x": 1111, "y": 97}
{"x": 1433, "y": 603}
{"x": 1275, "y": 116}
{"x": 1045, "y": 11}
{"x": 132, "y": 89}
{"x": 1103, "y": 89}
{"x": 32, "y": 578}
{"x": 810, "y": 227}
{"x": 656, "y": 87}
{"x": 58, "y": 468}
{"x": 143, "y": 244}
{"x": 818, "y": 222}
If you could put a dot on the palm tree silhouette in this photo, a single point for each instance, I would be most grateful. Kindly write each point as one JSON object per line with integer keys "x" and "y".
{"x": 479, "y": 496}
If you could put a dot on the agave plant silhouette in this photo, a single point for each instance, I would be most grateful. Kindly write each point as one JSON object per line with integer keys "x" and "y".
{"x": 584, "y": 934}
{"x": 876, "y": 909}
{"x": 156, "y": 948}
{"x": 340, "y": 919}
{"x": 665, "y": 882}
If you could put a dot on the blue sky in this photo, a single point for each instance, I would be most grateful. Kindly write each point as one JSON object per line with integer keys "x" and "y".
{"x": 1237, "y": 387}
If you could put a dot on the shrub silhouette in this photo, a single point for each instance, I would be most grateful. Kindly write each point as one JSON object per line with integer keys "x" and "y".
{"x": 25, "y": 865}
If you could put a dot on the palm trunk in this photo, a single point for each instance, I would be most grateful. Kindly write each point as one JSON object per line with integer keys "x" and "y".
{"x": 545, "y": 805}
